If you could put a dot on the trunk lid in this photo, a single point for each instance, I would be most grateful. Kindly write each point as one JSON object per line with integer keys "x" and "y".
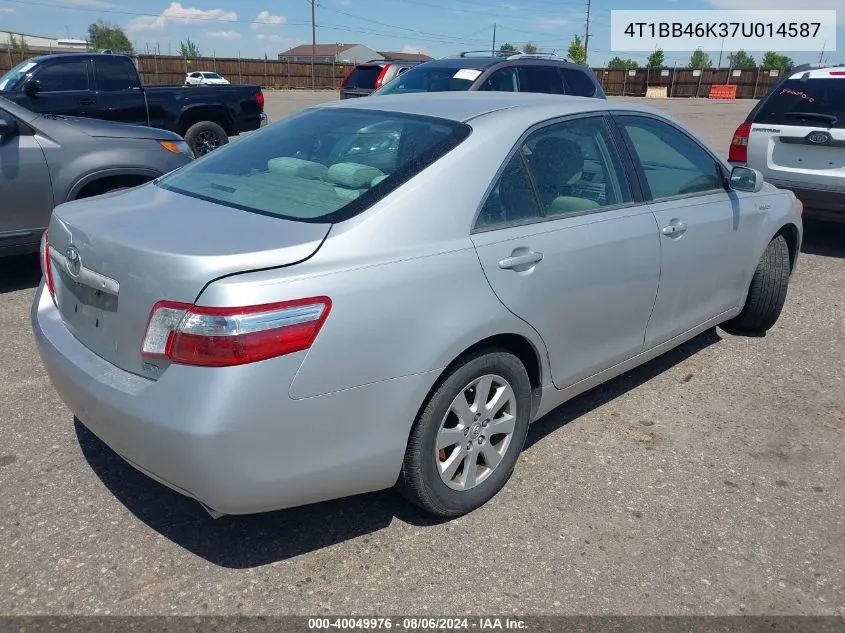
{"x": 145, "y": 245}
{"x": 808, "y": 154}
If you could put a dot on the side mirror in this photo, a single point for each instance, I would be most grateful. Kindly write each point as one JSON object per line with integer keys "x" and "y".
{"x": 746, "y": 179}
{"x": 32, "y": 87}
{"x": 8, "y": 127}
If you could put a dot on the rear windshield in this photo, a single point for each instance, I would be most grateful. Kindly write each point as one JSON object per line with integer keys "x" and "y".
{"x": 794, "y": 98}
{"x": 321, "y": 165}
{"x": 428, "y": 79}
{"x": 363, "y": 77}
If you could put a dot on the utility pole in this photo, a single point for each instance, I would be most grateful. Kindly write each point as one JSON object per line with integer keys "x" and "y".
{"x": 494, "y": 38}
{"x": 587, "y": 33}
{"x": 822, "y": 53}
{"x": 313, "y": 45}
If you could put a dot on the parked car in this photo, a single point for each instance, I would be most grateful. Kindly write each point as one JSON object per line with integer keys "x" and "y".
{"x": 284, "y": 322}
{"x": 520, "y": 72}
{"x": 795, "y": 136}
{"x": 106, "y": 86}
{"x": 47, "y": 159}
{"x": 362, "y": 79}
{"x": 205, "y": 78}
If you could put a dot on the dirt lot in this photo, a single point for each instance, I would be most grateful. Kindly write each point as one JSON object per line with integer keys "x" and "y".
{"x": 708, "y": 482}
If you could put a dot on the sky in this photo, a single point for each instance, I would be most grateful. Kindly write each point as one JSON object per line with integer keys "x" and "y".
{"x": 253, "y": 28}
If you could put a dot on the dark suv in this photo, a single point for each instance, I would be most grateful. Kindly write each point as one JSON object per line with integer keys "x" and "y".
{"x": 520, "y": 72}
{"x": 364, "y": 78}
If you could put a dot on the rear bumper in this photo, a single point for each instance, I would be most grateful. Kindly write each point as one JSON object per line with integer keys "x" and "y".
{"x": 231, "y": 438}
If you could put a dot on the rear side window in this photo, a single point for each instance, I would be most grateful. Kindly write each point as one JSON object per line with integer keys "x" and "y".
{"x": 579, "y": 83}
{"x": 64, "y": 76}
{"x": 321, "y": 165}
{"x": 796, "y": 102}
{"x": 363, "y": 77}
{"x": 112, "y": 75}
{"x": 544, "y": 79}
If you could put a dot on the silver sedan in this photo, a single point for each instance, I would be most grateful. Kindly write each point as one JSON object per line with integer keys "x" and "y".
{"x": 387, "y": 292}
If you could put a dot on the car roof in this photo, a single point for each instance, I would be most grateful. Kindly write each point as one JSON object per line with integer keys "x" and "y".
{"x": 818, "y": 73}
{"x": 466, "y": 105}
{"x": 62, "y": 56}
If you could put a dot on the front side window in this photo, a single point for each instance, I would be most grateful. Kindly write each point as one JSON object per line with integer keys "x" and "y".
{"x": 512, "y": 198}
{"x": 673, "y": 163}
{"x": 321, "y": 165}
{"x": 63, "y": 77}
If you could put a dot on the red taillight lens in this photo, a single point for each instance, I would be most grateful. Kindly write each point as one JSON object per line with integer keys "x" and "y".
{"x": 46, "y": 264}
{"x": 380, "y": 78}
{"x": 259, "y": 98}
{"x": 346, "y": 76}
{"x": 739, "y": 143}
{"x": 837, "y": 73}
{"x": 217, "y": 337}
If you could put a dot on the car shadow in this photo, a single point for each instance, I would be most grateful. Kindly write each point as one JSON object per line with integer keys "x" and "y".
{"x": 612, "y": 389}
{"x": 823, "y": 238}
{"x": 240, "y": 542}
{"x": 19, "y": 272}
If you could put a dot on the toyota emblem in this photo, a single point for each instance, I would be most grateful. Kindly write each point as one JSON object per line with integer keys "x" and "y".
{"x": 74, "y": 261}
{"x": 819, "y": 138}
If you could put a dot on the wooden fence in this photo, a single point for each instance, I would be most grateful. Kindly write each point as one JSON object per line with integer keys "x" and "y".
{"x": 276, "y": 74}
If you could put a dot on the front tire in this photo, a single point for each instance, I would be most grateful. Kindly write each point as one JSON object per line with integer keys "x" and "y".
{"x": 205, "y": 137}
{"x": 466, "y": 440}
{"x": 767, "y": 292}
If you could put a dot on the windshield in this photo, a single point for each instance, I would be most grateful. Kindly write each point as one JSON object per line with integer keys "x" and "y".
{"x": 212, "y": 76}
{"x": 321, "y": 165}
{"x": 822, "y": 97}
{"x": 11, "y": 79}
{"x": 428, "y": 79}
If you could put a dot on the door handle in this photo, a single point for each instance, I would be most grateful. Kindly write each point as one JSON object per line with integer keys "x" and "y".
{"x": 521, "y": 261}
{"x": 676, "y": 228}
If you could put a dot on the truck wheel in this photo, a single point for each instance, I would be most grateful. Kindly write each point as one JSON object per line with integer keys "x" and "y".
{"x": 767, "y": 292}
{"x": 205, "y": 136}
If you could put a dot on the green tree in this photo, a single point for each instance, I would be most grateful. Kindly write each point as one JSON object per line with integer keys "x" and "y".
{"x": 18, "y": 44}
{"x": 741, "y": 59}
{"x": 700, "y": 60}
{"x": 576, "y": 51}
{"x": 656, "y": 59}
{"x": 618, "y": 62}
{"x": 189, "y": 48}
{"x": 108, "y": 36}
{"x": 529, "y": 48}
{"x": 507, "y": 49}
{"x": 775, "y": 60}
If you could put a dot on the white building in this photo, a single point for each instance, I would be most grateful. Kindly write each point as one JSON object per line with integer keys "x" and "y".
{"x": 40, "y": 44}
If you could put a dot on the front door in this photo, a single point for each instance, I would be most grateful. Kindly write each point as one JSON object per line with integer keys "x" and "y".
{"x": 704, "y": 227}
{"x": 566, "y": 247}
{"x": 65, "y": 89}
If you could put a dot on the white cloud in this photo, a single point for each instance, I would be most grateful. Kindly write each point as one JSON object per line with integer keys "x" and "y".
{"x": 264, "y": 37}
{"x": 223, "y": 35}
{"x": 6, "y": 10}
{"x": 782, "y": 5}
{"x": 265, "y": 18}
{"x": 410, "y": 48}
{"x": 177, "y": 13}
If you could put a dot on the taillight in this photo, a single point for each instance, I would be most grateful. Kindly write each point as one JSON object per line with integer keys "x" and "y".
{"x": 187, "y": 334}
{"x": 46, "y": 264}
{"x": 837, "y": 73}
{"x": 380, "y": 78}
{"x": 739, "y": 143}
{"x": 346, "y": 76}
{"x": 259, "y": 98}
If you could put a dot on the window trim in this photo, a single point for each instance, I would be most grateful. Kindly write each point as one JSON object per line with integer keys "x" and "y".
{"x": 88, "y": 74}
{"x": 637, "y": 195}
{"x": 648, "y": 197}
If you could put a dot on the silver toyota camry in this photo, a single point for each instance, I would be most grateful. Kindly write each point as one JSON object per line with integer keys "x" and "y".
{"x": 387, "y": 292}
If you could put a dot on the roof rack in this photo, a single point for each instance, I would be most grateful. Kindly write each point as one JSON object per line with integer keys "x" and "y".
{"x": 552, "y": 55}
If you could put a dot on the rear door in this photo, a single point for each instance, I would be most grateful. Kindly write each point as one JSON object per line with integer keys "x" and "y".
{"x": 567, "y": 247}
{"x": 704, "y": 228}
{"x": 66, "y": 88}
{"x": 798, "y": 134}
{"x": 118, "y": 91}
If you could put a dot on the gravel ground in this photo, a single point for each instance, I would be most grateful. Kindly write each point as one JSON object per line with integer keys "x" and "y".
{"x": 709, "y": 481}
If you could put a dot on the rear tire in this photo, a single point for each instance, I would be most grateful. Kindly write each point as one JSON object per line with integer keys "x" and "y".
{"x": 456, "y": 462}
{"x": 205, "y": 136}
{"x": 767, "y": 292}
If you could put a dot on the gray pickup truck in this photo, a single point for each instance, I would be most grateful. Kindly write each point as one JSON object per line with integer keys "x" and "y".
{"x": 47, "y": 159}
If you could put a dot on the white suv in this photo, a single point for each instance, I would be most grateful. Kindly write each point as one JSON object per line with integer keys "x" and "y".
{"x": 795, "y": 136}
